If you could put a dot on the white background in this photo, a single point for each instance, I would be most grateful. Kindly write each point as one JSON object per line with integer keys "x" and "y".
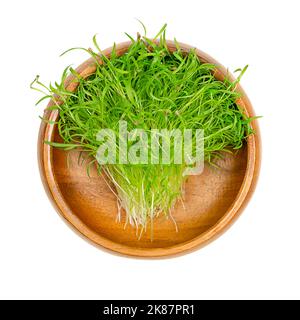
{"x": 259, "y": 257}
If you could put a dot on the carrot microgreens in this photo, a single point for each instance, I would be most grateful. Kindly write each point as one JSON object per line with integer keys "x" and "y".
{"x": 149, "y": 87}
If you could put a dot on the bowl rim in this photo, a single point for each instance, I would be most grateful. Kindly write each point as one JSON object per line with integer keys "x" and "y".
{"x": 242, "y": 198}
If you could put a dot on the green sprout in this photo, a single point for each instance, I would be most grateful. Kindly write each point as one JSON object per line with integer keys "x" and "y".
{"x": 149, "y": 87}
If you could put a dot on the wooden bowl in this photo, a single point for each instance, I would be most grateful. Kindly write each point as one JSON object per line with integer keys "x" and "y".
{"x": 213, "y": 200}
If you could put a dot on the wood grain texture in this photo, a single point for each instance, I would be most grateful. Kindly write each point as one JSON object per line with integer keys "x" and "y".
{"x": 213, "y": 200}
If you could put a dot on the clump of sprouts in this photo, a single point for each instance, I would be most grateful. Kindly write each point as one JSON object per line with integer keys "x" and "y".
{"x": 149, "y": 87}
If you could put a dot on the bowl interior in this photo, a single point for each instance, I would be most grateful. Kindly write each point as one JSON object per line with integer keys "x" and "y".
{"x": 207, "y": 198}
